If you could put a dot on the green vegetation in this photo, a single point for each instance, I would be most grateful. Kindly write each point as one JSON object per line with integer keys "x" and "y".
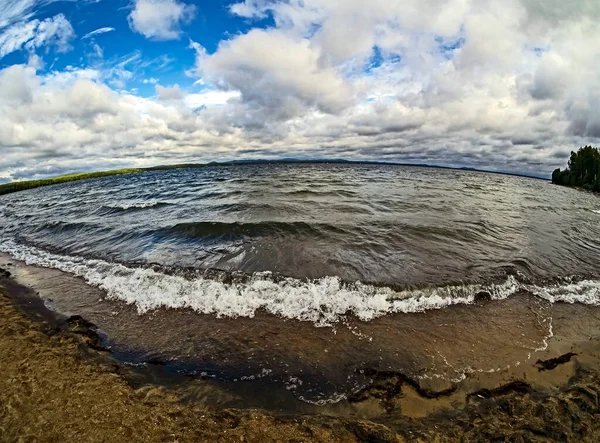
{"x": 582, "y": 171}
{"x": 30, "y": 184}
{"x": 22, "y": 185}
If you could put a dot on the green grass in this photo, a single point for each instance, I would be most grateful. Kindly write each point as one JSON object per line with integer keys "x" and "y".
{"x": 30, "y": 184}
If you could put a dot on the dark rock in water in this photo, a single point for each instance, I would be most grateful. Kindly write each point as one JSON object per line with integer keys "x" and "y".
{"x": 548, "y": 365}
{"x": 4, "y": 273}
{"x": 483, "y": 296}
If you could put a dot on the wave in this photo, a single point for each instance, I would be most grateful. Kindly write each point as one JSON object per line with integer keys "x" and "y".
{"x": 236, "y": 230}
{"x": 236, "y": 208}
{"x": 113, "y": 209}
{"x": 584, "y": 291}
{"x": 321, "y": 193}
{"x": 323, "y": 301}
{"x": 65, "y": 227}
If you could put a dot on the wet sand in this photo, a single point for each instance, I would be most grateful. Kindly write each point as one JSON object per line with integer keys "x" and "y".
{"x": 59, "y": 384}
{"x": 56, "y": 388}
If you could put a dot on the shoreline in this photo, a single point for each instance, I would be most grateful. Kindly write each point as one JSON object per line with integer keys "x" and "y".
{"x": 49, "y": 361}
{"x": 577, "y": 188}
{"x": 58, "y": 385}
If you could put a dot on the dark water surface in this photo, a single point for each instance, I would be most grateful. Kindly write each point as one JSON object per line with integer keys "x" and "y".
{"x": 304, "y": 274}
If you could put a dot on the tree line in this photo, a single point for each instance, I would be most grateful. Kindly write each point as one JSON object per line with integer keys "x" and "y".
{"x": 583, "y": 170}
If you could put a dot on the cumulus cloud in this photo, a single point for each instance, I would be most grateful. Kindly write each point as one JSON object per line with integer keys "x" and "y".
{"x": 509, "y": 86}
{"x": 66, "y": 120}
{"x": 31, "y": 35}
{"x": 165, "y": 94}
{"x": 277, "y": 75}
{"x": 467, "y": 74}
{"x": 210, "y": 98}
{"x": 160, "y": 19}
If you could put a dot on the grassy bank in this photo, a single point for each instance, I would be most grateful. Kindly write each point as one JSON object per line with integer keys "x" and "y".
{"x": 30, "y": 184}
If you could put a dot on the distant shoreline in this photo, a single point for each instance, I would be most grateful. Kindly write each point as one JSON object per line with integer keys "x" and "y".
{"x": 577, "y": 188}
{"x": 17, "y": 186}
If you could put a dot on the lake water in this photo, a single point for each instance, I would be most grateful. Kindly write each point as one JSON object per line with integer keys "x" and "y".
{"x": 304, "y": 274}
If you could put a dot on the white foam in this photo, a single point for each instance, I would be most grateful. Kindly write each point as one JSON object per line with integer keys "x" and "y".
{"x": 585, "y": 291}
{"x": 547, "y": 337}
{"x": 136, "y": 205}
{"x": 597, "y": 211}
{"x": 323, "y": 301}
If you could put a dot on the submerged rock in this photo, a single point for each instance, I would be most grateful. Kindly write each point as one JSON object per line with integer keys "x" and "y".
{"x": 483, "y": 296}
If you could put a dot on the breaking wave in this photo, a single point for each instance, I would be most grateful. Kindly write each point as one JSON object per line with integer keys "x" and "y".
{"x": 322, "y": 301}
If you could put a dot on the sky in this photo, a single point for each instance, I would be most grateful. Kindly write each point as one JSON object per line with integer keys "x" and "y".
{"x": 103, "y": 84}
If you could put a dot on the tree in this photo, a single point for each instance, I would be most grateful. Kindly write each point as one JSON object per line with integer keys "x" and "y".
{"x": 583, "y": 170}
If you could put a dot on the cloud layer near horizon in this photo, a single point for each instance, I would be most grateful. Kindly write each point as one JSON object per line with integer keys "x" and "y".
{"x": 511, "y": 86}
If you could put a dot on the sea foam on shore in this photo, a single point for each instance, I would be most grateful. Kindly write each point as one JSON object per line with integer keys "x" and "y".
{"x": 321, "y": 301}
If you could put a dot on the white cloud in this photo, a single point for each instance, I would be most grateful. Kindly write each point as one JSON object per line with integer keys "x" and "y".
{"x": 167, "y": 94}
{"x": 210, "y": 98}
{"x": 12, "y": 11}
{"x": 551, "y": 77}
{"x": 275, "y": 73}
{"x": 160, "y": 19}
{"x": 55, "y": 31}
{"x": 97, "y": 51}
{"x": 464, "y": 64}
{"x": 97, "y": 32}
{"x": 508, "y": 85}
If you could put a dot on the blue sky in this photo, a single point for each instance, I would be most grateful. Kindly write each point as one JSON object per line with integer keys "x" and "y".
{"x": 152, "y": 59}
{"x": 99, "y": 84}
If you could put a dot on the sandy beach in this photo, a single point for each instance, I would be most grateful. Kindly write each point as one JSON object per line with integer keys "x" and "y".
{"x": 56, "y": 388}
{"x": 60, "y": 385}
